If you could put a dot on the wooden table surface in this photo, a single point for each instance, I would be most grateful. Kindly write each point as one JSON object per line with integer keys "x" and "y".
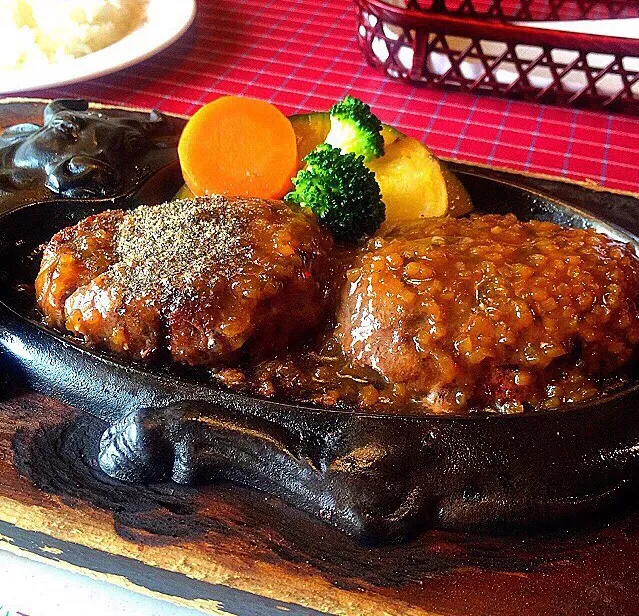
{"x": 227, "y": 550}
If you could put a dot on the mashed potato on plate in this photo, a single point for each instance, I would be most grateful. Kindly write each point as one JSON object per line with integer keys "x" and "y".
{"x": 40, "y": 32}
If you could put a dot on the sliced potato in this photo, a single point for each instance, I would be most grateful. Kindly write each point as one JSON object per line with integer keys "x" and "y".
{"x": 411, "y": 180}
{"x": 311, "y": 129}
{"x": 390, "y": 134}
{"x": 459, "y": 203}
{"x": 414, "y": 183}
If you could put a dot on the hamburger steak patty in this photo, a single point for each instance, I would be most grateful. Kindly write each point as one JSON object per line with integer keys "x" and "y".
{"x": 489, "y": 310}
{"x": 202, "y": 278}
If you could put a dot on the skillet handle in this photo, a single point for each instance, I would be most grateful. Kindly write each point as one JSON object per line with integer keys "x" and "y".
{"x": 321, "y": 469}
{"x": 195, "y": 442}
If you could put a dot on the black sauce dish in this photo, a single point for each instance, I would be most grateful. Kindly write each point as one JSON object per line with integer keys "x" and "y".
{"x": 378, "y": 478}
{"x": 81, "y": 151}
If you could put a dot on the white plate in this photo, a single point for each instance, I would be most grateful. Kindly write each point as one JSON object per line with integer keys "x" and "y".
{"x": 167, "y": 20}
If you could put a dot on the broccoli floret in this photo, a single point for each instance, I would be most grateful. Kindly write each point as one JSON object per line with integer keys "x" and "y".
{"x": 355, "y": 129}
{"x": 342, "y": 192}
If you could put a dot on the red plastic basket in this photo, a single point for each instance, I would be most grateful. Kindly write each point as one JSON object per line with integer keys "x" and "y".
{"x": 473, "y": 46}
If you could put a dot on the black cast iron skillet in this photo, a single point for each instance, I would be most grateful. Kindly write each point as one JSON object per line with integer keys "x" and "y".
{"x": 379, "y": 478}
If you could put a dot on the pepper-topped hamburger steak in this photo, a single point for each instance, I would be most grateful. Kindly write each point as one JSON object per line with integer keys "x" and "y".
{"x": 199, "y": 279}
{"x": 485, "y": 312}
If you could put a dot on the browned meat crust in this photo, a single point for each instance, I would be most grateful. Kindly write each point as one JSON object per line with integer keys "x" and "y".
{"x": 72, "y": 258}
{"x": 200, "y": 278}
{"x": 482, "y": 309}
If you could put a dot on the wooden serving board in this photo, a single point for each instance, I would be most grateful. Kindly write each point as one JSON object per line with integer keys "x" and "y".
{"x": 227, "y": 550}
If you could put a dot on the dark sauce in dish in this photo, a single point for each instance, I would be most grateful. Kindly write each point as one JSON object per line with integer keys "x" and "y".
{"x": 444, "y": 315}
{"x": 462, "y": 315}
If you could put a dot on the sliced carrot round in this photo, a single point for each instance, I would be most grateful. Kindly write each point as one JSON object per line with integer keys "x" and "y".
{"x": 238, "y": 146}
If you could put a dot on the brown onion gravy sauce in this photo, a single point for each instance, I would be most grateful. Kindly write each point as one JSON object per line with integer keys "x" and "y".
{"x": 523, "y": 316}
{"x": 321, "y": 374}
{"x": 423, "y": 267}
{"x": 324, "y": 377}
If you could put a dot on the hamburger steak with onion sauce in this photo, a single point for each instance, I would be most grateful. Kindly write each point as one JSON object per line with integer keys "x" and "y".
{"x": 489, "y": 310}
{"x": 444, "y": 315}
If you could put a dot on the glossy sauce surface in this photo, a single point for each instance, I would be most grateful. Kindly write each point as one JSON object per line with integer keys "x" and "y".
{"x": 451, "y": 315}
{"x": 194, "y": 281}
{"x": 438, "y": 316}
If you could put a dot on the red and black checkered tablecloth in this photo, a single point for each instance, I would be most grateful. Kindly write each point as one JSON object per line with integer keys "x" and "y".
{"x": 302, "y": 56}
